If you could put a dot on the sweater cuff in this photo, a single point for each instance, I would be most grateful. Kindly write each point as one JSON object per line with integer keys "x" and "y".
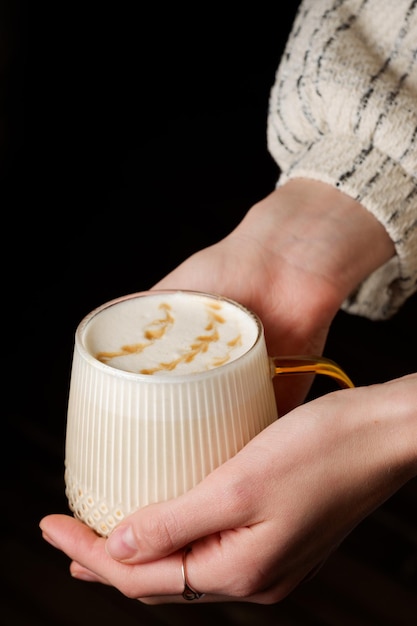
{"x": 390, "y": 194}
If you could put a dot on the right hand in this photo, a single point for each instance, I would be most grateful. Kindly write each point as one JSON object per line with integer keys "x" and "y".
{"x": 266, "y": 519}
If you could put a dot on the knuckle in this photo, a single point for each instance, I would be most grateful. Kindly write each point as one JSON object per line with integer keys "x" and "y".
{"x": 128, "y": 591}
{"x": 159, "y": 532}
{"x": 238, "y": 496}
{"x": 239, "y": 578}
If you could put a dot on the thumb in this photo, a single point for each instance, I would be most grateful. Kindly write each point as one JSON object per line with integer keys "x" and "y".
{"x": 160, "y": 529}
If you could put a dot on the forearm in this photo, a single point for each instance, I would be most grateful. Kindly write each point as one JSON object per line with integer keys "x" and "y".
{"x": 402, "y": 434}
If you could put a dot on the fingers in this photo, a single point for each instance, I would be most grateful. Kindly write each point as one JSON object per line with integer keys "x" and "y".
{"x": 214, "y": 517}
{"x": 83, "y": 573}
{"x": 87, "y": 550}
{"x": 209, "y": 568}
{"x": 218, "y": 503}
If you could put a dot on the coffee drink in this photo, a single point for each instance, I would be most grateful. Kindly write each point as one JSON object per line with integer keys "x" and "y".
{"x": 165, "y": 387}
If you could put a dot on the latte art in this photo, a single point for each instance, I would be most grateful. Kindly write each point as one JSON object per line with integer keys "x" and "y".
{"x": 173, "y": 333}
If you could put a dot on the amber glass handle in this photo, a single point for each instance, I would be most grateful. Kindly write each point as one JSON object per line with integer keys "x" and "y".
{"x": 311, "y": 365}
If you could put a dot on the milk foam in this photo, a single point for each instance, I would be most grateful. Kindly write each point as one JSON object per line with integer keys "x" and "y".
{"x": 170, "y": 333}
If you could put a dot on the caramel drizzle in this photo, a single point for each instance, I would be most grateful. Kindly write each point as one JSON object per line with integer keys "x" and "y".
{"x": 158, "y": 328}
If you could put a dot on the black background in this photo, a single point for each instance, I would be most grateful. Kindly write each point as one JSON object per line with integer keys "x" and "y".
{"x": 131, "y": 137}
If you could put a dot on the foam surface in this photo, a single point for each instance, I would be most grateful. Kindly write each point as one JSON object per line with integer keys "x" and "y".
{"x": 170, "y": 333}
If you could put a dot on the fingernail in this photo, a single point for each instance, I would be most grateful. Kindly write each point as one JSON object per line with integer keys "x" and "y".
{"x": 84, "y": 575}
{"x": 121, "y": 545}
{"x": 47, "y": 537}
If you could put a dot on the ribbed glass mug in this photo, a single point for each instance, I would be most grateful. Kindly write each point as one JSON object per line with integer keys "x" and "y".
{"x": 165, "y": 387}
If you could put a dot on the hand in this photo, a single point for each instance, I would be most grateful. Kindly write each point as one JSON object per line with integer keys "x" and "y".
{"x": 293, "y": 259}
{"x": 265, "y": 520}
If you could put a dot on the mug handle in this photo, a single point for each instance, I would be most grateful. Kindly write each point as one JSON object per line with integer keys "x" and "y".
{"x": 311, "y": 365}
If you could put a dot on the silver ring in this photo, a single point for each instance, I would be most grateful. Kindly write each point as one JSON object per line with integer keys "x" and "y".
{"x": 189, "y": 593}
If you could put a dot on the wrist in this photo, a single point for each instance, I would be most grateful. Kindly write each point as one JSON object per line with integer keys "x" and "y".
{"x": 314, "y": 225}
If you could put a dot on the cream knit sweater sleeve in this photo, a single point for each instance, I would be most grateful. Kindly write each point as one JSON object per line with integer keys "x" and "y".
{"x": 343, "y": 110}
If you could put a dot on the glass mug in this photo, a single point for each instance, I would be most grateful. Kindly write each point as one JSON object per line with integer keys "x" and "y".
{"x": 165, "y": 387}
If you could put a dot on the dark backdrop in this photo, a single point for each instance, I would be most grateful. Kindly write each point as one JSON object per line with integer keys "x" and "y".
{"x": 132, "y": 137}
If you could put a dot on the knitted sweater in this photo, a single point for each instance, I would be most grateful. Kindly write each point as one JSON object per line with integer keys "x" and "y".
{"x": 343, "y": 110}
